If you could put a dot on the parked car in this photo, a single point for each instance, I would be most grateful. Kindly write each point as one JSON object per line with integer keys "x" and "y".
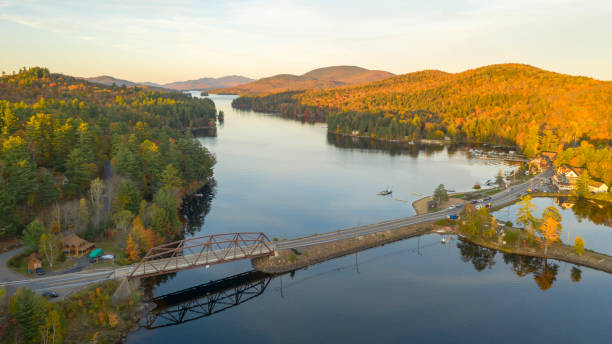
{"x": 40, "y": 271}
{"x": 459, "y": 205}
{"x": 452, "y": 207}
{"x": 474, "y": 202}
{"x": 50, "y": 294}
{"x": 488, "y": 198}
{"x": 453, "y": 217}
{"x": 107, "y": 257}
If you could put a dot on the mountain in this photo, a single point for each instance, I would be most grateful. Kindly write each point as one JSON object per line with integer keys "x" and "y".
{"x": 328, "y": 77}
{"x": 507, "y": 103}
{"x": 206, "y": 84}
{"x": 109, "y": 80}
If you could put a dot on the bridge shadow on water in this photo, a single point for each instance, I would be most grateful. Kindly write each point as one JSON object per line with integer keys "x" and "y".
{"x": 205, "y": 299}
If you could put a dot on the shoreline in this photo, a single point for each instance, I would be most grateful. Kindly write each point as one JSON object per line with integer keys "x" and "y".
{"x": 557, "y": 251}
{"x": 294, "y": 259}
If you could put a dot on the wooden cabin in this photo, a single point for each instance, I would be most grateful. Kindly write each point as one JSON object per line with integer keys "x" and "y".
{"x": 75, "y": 246}
{"x": 34, "y": 262}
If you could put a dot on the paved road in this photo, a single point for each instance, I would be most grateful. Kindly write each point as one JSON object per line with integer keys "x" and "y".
{"x": 509, "y": 195}
{"x": 77, "y": 279}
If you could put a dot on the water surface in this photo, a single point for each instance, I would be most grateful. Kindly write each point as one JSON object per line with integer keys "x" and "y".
{"x": 288, "y": 179}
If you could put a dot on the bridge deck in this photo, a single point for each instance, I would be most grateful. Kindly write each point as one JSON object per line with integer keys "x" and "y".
{"x": 173, "y": 264}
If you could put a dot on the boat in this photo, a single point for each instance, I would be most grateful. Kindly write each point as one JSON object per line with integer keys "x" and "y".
{"x": 385, "y": 192}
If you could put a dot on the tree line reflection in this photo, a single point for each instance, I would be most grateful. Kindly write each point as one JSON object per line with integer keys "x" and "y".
{"x": 544, "y": 272}
{"x": 597, "y": 212}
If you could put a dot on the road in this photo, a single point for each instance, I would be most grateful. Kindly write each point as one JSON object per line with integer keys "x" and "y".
{"x": 77, "y": 279}
{"x": 507, "y": 196}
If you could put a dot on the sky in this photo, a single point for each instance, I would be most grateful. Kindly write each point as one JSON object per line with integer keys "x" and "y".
{"x": 164, "y": 41}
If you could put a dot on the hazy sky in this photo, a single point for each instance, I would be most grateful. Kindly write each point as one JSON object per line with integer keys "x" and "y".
{"x": 163, "y": 41}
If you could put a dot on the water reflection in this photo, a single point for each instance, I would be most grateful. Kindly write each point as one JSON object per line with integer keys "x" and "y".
{"x": 597, "y": 212}
{"x": 544, "y": 272}
{"x": 393, "y": 148}
{"x": 576, "y": 274}
{"x": 197, "y": 206}
{"x": 480, "y": 257}
{"x": 206, "y": 299}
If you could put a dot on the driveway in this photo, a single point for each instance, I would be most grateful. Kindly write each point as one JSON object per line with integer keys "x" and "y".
{"x": 6, "y": 274}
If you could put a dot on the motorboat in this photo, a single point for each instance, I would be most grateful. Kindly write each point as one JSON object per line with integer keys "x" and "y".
{"x": 385, "y": 192}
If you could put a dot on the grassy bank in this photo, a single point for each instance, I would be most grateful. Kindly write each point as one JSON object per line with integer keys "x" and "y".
{"x": 558, "y": 251}
{"x": 288, "y": 260}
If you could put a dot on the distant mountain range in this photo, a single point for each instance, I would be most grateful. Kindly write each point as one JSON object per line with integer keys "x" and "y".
{"x": 203, "y": 84}
{"x": 320, "y": 78}
{"x": 207, "y": 84}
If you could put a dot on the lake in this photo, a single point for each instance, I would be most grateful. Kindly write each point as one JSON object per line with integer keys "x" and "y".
{"x": 288, "y": 179}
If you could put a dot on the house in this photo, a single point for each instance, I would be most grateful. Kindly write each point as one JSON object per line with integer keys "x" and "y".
{"x": 598, "y": 187}
{"x": 34, "y": 262}
{"x": 565, "y": 177}
{"x": 571, "y": 173}
{"x": 539, "y": 163}
{"x": 75, "y": 246}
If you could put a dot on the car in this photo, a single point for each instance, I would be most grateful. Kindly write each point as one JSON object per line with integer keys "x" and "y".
{"x": 473, "y": 202}
{"x": 107, "y": 257}
{"x": 459, "y": 206}
{"x": 40, "y": 271}
{"x": 453, "y": 217}
{"x": 452, "y": 207}
{"x": 488, "y": 198}
{"x": 50, "y": 294}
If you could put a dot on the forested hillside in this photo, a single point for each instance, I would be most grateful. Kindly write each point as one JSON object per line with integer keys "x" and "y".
{"x": 67, "y": 145}
{"x": 511, "y": 104}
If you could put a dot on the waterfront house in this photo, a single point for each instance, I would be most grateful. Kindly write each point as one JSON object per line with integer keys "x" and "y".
{"x": 34, "y": 262}
{"x": 565, "y": 177}
{"x": 597, "y": 187}
{"x": 75, "y": 246}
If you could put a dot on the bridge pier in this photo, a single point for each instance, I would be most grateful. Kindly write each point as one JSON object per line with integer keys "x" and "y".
{"x": 125, "y": 289}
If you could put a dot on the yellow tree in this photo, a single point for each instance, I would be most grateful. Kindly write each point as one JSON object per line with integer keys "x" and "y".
{"x": 51, "y": 332}
{"x": 525, "y": 213}
{"x": 550, "y": 231}
{"x": 131, "y": 249}
{"x": 50, "y": 247}
{"x": 579, "y": 246}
